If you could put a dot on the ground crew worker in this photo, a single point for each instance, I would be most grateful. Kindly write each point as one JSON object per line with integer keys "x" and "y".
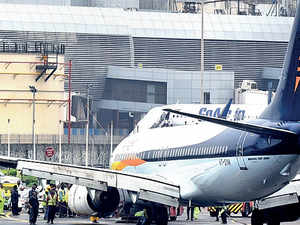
{"x": 190, "y": 211}
{"x": 196, "y": 212}
{"x": 15, "y": 201}
{"x": 217, "y": 212}
{"x": 223, "y": 215}
{"x": 62, "y": 202}
{"x": 69, "y": 212}
{"x": 44, "y": 203}
{"x": 2, "y": 199}
{"x": 33, "y": 205}
{"x": 143, "y": 217}
{"x": 51, "y": 202}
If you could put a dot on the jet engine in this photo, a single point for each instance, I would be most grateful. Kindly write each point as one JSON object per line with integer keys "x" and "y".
{"x": 84, "y": 201}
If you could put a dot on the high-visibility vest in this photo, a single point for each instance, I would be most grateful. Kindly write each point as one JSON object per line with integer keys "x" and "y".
{"x": 67, "y": 196}
{"x": 196, "y": 212}
{"x": 44, "y": 203}
{"x": 52, "y": 200}
{"x": 2, "y": 194}
{"x": 63, "y": 194}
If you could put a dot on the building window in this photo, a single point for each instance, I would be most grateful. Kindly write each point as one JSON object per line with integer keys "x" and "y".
{"x": 206, "y": 97}
{"x": 150, "y": 93}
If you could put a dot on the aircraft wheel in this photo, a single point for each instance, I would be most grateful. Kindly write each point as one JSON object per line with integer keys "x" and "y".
{"x": 256, "y": 218}
{"x": 161, "y": 216}
{"x": 273, "y": 222}
{"x": 173, "y": 218}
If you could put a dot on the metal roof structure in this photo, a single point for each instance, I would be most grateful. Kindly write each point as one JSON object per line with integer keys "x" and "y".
{"x": 115, "y": 21}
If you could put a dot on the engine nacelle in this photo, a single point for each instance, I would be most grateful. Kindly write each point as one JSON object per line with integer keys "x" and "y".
{"x": 84, "y": 201}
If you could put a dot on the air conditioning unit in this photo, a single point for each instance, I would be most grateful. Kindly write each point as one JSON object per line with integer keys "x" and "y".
{"x": 248, "y": 85}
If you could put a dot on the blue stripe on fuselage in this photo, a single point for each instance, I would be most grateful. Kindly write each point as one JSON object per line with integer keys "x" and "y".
{"x": 229, "y": 143}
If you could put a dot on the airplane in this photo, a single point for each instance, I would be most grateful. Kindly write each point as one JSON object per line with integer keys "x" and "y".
{"x": 214, "y": 162}
{"x": 156, "y": 117}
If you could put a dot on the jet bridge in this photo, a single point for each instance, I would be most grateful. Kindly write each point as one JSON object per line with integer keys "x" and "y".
{"x": 149, "y": 188}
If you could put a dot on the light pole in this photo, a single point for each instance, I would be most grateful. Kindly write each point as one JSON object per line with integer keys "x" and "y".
{"x": 87, "y": 126}
{"x": 111, "y": 140}
{"x": 8, "y": 138}
{"x": 59, "y": 133}
{"x": 33, "y": 90}
{"x": 202, "y": 53}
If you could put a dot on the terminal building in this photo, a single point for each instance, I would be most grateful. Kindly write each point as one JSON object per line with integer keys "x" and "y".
{"x": 132, "y": 60}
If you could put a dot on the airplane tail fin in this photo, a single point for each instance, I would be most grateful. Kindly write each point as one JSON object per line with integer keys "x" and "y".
{"x": 284, "y": 105}
{"x": 225, "y": 110}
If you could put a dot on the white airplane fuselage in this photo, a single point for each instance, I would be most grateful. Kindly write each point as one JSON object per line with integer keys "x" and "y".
{"x": 211, "y": 163}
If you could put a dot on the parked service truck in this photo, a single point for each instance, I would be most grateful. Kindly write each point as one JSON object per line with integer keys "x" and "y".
{"x": 282, "y": 206}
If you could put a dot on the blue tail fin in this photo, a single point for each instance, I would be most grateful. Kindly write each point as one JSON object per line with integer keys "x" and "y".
{"x": 225, "y": 110}
{"x": 284, "y": 105}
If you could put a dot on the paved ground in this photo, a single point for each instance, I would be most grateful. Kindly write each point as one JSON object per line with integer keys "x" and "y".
{"x": 204, "y": 219}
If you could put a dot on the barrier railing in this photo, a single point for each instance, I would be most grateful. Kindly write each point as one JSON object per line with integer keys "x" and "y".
{"x": 54, "y": 139}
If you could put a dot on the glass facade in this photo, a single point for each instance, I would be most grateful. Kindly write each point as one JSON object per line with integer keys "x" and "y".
{"x": 135, "y": 91}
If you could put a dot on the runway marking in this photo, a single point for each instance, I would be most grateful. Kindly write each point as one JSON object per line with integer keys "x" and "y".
{"x": 7, "y": 216}
{"x": 236, "y": 221}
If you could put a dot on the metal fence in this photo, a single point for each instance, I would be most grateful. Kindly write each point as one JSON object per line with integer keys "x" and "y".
{"x": 55, "y": 139}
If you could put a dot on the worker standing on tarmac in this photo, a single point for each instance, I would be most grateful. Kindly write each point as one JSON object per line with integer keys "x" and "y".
{"x": 69, "y": 212}
{"x": 223, "y": 215}
{"x": 45, "y": 207}
{"x": 218, "y": 208}
{"x": 190, "y": 212}
{"x": 33, "y": 205}
{"x": 62, "y": 202}
{"x": 15, "y": 201}
{"x": 2, "y": 198}
{"x": 51, "y": 202}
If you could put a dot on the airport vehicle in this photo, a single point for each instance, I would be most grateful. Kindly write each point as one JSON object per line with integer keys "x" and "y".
{"x": 281, "y": 206}
{"x": 245, "y": 208}
{"x": 211, "y": 163}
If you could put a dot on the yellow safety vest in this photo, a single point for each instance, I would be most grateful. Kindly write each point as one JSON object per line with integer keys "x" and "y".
{"x": 63, "y": 196}
{"x": 2, "y": 194}
{"x": 52, "y": 200}
{"x": 44, "y": 203}
{"x": 67, "y": 196}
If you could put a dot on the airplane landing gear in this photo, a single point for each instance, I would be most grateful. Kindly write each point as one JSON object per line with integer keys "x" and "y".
{"x": 259, "y": 218}
{"x": 256, "y": 218}
{"x": 161, "y": 215}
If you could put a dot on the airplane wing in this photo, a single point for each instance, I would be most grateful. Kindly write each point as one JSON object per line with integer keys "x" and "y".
{"x": 148, "y": 188}
{"x": 253, "y": 128}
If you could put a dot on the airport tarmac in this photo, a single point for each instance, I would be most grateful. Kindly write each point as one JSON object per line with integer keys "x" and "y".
{"x": 204, "y": 219}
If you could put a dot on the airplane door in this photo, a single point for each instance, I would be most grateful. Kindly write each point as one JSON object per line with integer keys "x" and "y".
{"x": 240, "y": 151}
{"x": 162, "y": 158}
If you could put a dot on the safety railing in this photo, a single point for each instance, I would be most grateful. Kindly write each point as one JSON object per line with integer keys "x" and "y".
{"x": 55, "y": 139}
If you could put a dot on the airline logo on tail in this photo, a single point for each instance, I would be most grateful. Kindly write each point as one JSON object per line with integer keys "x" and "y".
{"x": 297, "y": 77}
